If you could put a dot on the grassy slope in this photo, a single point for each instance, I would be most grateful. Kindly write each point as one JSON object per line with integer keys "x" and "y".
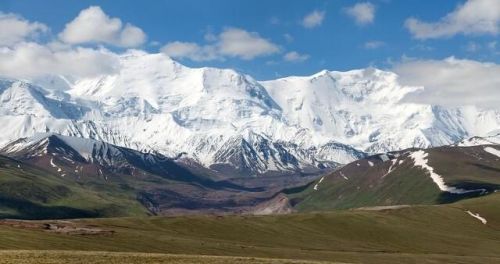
{"x": 97, "y": 257}
{"x": 423, "y": 234}
{"x": 469, "y": 168}
{"x": 467, "y": 165}
{"x": 28, "y": 191}
{"x": 399, "y": 187}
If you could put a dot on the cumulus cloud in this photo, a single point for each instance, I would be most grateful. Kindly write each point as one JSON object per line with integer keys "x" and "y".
{"x": 474, "y": 17}
{"x": 236, "y": 42}
{"x": 452, "y": 81}
{"x": 92, "y": 25}
{"x": 374, "y": 44}
{"x": 313, "y": 19}
{"x": 190, "y": 50}
{"x": 232, "y": 42}
{"x": 363, "y": 13}
{"x": 31, "y": 60}
{"x": 294, "y": 56}
{"x": 21, "y": 57}
{"x": 16, "y": 29}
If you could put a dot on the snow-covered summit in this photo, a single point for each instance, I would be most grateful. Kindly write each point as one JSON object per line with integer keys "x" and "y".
{"x": 224, "y": 119}
{"x": 367, "y": 109}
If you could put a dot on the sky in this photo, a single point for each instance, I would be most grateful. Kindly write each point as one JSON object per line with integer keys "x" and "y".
{"x": 458, "y": 39}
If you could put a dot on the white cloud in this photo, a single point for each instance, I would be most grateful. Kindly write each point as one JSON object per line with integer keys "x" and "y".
{"x": 179, "y": 49}
{"x": 232, "y": 42}
{"x": 15, "y": 29}
{"x": 288, "y": 38}
{"x": 236, "y": 42}
{"x": 374, "y": 44}
{"x": 92, "y": 25}
{"x": 31, "y": 60}
{"x": 473, "y": 17}
{"x": 313, "y": 19}
{"x": 22, "y": 58}
{"x": 363, "y": 13}
{"x": 452, "y": 82}
{"x": 190, "y": 50}
{"x": 294, "y": 56}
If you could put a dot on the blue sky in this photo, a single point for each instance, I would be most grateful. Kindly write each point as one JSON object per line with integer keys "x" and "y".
{"x": 338, "y": 42}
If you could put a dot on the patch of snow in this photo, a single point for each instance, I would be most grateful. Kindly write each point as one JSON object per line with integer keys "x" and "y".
{"x": 478, "y": 217}
{"x": 492, "y": 151}
{"x": 420, "y": 159}
{"x": 316, "y": 186}
{"x": 370, "y": 163}
{"x": 343, "y": 176}
{"x": 478, "y": 141}
{"x": 391, "y": 168}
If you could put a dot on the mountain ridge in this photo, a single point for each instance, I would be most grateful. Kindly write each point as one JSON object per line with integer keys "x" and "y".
{"x": 223, "y": 119}
{"x": 127, "y": 182}
{"x": 413, "y": 176}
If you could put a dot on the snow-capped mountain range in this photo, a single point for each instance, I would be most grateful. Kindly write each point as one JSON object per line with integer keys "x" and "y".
{"x": 232, "y": 123}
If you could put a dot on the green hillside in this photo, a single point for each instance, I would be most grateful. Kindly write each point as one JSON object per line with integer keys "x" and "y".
{"x": 29, "y": 192}
{"x": 396, "y": 181}
{"x": 420, "y": 234}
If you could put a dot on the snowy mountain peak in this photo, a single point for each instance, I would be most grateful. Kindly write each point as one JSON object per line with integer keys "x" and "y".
{"x": 227, "y": 120}
{"x": 44, "y": 143}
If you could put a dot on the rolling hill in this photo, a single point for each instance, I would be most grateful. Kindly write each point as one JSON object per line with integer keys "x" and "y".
{"x": 452, "y": 233}
{"x": 26, "y": 191}
{"x": 414, "y": 176}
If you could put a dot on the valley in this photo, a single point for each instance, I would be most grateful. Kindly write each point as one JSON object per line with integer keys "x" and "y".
{"x": 424, "y": 234}
{"x": 114, "y": 204}
{"x": 55, "y": 176}
{"x": 89, "y": 178}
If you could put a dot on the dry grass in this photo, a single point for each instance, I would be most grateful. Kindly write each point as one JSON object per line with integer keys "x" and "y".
{"x": 416, "y": 234}
{"x": 99, "y": 257}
